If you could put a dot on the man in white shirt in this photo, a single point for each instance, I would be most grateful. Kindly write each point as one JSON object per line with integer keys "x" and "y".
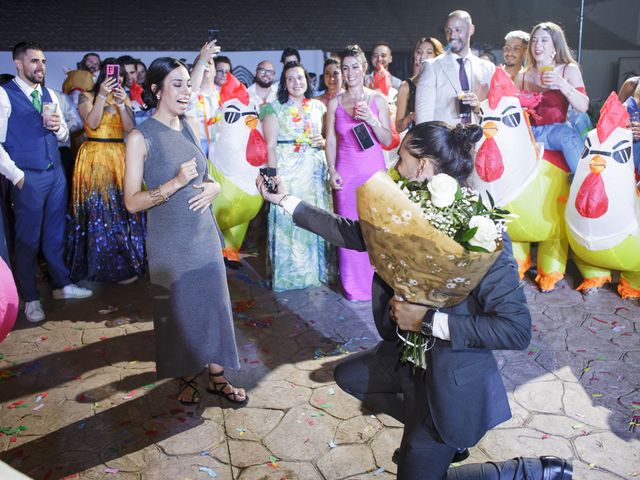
{"x": 452, "y": 85}
{"x": 381, "y": 55}
{"x": 263, "y": 89}
{"x": 30, "y": 159}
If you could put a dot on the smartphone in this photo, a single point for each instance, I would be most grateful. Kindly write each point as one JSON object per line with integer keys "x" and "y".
{"x": 363, "y": 136}
{"x": 268, "y": 173}
{"x": 113, "y": 71}
{"x": 212, "y": 34}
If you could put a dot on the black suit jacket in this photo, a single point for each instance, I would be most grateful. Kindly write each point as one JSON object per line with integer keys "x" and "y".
{"x": 465, "y": 392}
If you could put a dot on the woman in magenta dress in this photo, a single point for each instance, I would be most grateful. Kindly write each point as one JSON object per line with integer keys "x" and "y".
{"x": 350, "y": 165}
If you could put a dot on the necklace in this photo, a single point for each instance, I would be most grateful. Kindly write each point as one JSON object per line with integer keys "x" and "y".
{"x": 302, "y": 126}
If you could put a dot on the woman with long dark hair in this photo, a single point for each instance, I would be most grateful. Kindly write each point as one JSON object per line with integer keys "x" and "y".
{"x": 426, "y": 48}
{"x": 292, "y": 126}
{"x": 105, "y": 243}
{"x": 461, "y": 395}
{"x": 332, "y": 75}
{"x": 193, "y": 328}
{"x": 358, "y": 123}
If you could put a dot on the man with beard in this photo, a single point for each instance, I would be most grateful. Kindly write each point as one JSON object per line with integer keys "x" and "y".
{"x": 263, "y": 90}
{"x": 453, "y": 84}
{"x": 29, "y": 158}
{"x": 514, "y": 51}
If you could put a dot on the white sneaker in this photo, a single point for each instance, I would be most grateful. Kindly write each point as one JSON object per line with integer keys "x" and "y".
{"x": 71, "y": 291}
{"x": 33, "y": 311}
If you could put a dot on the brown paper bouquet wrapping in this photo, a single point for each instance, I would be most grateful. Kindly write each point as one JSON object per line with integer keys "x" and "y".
{"x": 420, "y": 263}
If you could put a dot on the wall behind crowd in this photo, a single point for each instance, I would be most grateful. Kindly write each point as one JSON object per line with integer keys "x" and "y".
{"x": 58, "y": 63}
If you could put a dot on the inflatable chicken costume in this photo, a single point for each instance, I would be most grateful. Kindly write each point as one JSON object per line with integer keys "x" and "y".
{"x": 239, "y": 152}
{"x": 510, "y": 167}
{"x": 603, "y": 213}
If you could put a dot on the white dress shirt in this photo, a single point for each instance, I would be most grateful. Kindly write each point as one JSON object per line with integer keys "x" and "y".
{"x": 8, "y": 167}
{"x": 258, "y": 101}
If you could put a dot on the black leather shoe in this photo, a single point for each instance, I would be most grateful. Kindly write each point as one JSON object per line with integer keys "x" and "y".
{"x": 460, "y": 456}
{"x": 555, "y": 468}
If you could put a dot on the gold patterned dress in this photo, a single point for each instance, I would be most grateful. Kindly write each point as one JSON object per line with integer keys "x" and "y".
{"x": 105, "y": 242}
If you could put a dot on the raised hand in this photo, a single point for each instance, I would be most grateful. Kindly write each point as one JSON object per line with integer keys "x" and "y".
{"x": 187, "y": 172}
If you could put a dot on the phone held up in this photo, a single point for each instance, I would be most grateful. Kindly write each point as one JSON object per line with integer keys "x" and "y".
{"x": 268, "y": 173}
{"x": 212, "y": 34}
{"x": 363, "y": 136}
{"x": 113, "y": 71}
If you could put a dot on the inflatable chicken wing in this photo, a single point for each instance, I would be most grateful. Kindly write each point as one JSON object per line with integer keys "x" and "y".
{"x": 510, "y": 167}
{"x": 603, "y": 213}
{"x": 239, "y": 152}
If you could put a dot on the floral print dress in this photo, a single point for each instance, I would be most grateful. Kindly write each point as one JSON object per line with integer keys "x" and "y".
{"x": 299, "y": 258}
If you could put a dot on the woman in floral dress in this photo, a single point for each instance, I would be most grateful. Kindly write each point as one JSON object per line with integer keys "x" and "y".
{"x": 292, "y": 126}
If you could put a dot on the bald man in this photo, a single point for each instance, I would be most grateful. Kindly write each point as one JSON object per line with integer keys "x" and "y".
{"x": 456, "y": 74}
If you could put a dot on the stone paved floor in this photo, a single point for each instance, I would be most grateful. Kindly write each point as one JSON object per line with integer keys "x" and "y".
{"x": 78, "y": 396}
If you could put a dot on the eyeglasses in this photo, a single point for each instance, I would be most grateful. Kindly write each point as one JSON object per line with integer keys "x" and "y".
{"x": 264, "y": 70}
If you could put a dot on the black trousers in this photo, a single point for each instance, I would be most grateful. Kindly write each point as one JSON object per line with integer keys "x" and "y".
{"x": 376, "y": 378}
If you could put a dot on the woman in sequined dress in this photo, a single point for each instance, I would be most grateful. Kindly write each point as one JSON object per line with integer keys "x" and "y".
{"x": 105, "y": 243}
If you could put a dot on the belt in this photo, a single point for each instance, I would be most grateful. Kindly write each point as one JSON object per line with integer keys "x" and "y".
{"x": 106, "y": 140}
{"x": 291, "y": 142}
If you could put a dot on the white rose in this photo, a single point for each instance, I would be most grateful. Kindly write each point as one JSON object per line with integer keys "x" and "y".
{"x": 443, "y": 190}
{"x": 486, "y": 235}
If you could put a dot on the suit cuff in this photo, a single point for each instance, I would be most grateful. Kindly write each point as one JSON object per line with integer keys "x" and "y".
{"x": 289, "y": 203}
{"x": 441, "y": 326}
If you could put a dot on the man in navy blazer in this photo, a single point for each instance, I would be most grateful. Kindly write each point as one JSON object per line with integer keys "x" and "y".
{"x": 461, "y": 395}
{"x": 30, "y": 159}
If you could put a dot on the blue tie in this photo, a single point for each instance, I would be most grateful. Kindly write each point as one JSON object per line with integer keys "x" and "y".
{"x": 464, "y": 80}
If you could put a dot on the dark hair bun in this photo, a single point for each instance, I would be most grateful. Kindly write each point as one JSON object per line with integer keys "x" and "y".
{"x": 474, "y": 132}
{"x": 465, "y": 136}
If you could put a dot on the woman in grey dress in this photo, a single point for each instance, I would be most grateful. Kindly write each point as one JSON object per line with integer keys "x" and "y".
{"x": 191, "y": 306}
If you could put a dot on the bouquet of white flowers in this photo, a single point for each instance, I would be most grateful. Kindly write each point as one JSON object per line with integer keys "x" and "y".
{"x": 432, "y": 242}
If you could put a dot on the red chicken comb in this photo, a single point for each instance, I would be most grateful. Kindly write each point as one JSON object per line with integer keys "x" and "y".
{"x": 233, "y": 88}
{"x": 501, "y": 86}
{"x": 612, "y": 115}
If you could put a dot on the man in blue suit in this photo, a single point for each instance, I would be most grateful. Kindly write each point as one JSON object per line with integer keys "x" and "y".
{"x": 30, "y": 159}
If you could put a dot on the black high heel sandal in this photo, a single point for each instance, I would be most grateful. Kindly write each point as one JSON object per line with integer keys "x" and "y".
{"x": 230, "y": 396}
{"x": 195, "y": 396}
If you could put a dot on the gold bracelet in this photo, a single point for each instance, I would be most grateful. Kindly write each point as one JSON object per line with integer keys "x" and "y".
{"x": 157, "y": 196}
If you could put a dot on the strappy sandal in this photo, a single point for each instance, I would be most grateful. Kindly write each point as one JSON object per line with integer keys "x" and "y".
{"x": 195, "y": 396}
{"x": 219, "y": 390}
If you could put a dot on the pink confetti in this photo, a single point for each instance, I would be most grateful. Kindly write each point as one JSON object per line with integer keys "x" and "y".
{"x": 600, "y": 320}
{"x": 40, "y": 405}
{"x": 130, "y": 395}
{"x": 111, "y": 470}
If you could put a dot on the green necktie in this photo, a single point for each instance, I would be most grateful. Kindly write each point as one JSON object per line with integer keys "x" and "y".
{"x": 36, "y": 101}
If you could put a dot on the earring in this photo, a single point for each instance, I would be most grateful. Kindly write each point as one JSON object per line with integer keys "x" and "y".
{"x": 158, "y": 97}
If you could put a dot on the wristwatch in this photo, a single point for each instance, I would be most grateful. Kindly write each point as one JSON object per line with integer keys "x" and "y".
{"x": 427, "y": 323}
